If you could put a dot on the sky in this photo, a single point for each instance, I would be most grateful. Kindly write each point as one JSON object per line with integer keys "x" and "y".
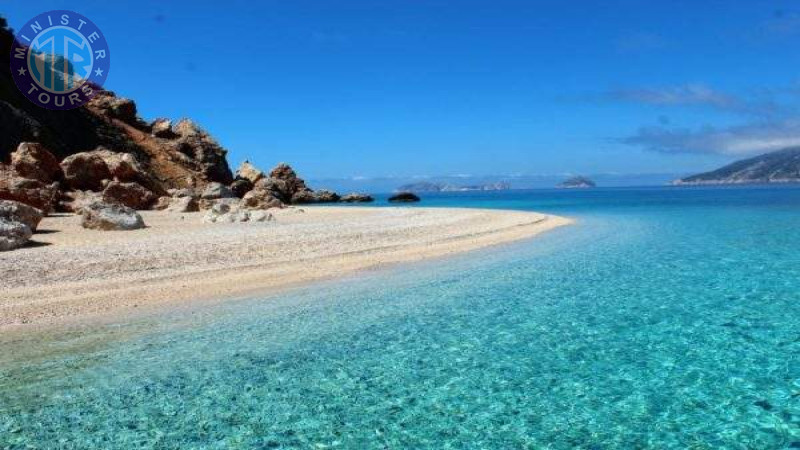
{"x": 410, "y": 88}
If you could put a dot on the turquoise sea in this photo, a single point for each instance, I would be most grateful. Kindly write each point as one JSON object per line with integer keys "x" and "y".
{"x": 665, "y": 318}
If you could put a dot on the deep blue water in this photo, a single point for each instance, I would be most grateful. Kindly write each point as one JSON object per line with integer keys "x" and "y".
{"x": 665, "y": 318}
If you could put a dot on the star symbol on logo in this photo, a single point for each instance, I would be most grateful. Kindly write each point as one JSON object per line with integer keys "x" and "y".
{"x": 98, "y": 72}
{"x": 22, "y": 71}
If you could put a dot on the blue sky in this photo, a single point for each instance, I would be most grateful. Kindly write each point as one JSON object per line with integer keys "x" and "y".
{"x": 383, "y": 88}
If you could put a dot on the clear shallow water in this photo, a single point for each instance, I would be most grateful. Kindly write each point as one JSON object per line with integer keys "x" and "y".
{"x": 666, "y": 318}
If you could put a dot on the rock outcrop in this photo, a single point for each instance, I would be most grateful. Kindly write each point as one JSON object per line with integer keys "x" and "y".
{"x": 109, "y": 217}
{"x": 35, "y": 193}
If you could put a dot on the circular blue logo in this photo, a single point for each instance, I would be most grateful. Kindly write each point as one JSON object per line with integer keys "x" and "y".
{"x": 60, "y": 59}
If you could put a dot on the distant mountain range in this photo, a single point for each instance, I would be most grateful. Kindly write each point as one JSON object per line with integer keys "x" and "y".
{"x": 782, "y": 166}
{"x": 426, "y": 186}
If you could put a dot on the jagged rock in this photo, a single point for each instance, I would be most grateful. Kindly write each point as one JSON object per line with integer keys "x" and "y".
{"x": 19, "y": 212}
{"x": 102, "y": 216}
{"x": 357, "y": 198}
{"x": 13, "y": 234}
{"x": 32, "y": 160}
{"x": 249, "y": 172}
{"x": 285, "y": 173}
{"x": 240, "y": 187}
{"x": 108, "y": 104}
{"x": 225, "y": 213}
{"x": 162, "y": 128}
{"x": 217, "y": 190}
{"x": 261, "y": 199}
{"x": 30, "y": 192}
{"x": 183, "y": 205}
{"x": 404, "y": 197}
{"x": 133, "y": 195}
{"x": 202, "y": 151}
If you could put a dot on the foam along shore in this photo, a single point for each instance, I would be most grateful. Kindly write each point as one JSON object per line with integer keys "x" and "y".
{"x": 75, "y": 274}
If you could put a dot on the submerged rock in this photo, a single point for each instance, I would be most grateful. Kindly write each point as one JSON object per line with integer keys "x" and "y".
{"x": 106, "y": 217}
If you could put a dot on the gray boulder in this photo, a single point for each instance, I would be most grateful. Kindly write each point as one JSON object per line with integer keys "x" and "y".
{"x": 19, "y": 212}
{"x": 13, "y": 234}
{"x": 102, "y": 216}
{"x": 183, "y": 205}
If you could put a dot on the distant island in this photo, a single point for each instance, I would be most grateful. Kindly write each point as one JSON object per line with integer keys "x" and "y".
{"x": 426, "y": 186}
{"x": 782, "y": 166}
{"x": 578, "y": 182}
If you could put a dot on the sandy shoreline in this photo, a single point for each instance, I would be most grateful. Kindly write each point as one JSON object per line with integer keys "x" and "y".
{"x": 76, "y": 274}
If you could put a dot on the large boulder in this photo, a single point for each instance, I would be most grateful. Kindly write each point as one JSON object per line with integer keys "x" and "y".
{"x": 261, "y": 199}
{"x": 13, "y": 234}
{"x": 108, "y": 217}
{"x": 357, "y": 198}
{"x": 133, "y": 195}
{"x": 30, "y": 192}
{"x": 88, "y": 170}
{"x": 217, "y": 190}
{"x": 12, "y": 211}
{"x": 404, "y": 197}
{"x": 85, "y": 171}
{"x": 32, "y": 160}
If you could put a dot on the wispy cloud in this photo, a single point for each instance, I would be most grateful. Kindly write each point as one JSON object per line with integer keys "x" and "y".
{"x": 690, "y": 94}
{"x": 771, "y": 120}
{"x": 742, "y": 140}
